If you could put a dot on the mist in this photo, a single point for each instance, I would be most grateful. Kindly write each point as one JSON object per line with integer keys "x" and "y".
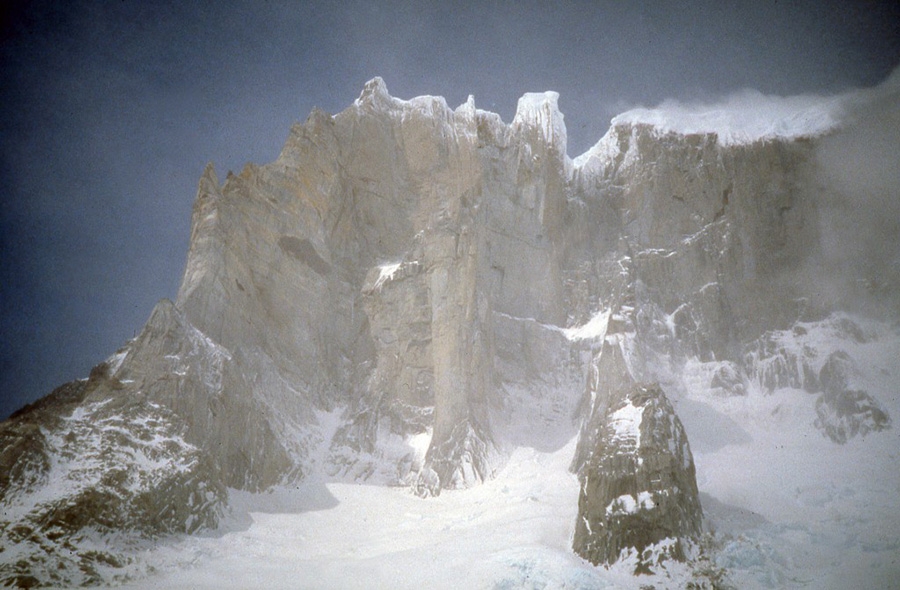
{"x": 860, "y": 223}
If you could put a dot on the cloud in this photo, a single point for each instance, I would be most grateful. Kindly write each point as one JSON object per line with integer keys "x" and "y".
{"x": 744, "y": 116}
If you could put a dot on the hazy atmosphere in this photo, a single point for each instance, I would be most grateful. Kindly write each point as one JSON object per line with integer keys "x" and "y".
{"x": 111, "y": 110}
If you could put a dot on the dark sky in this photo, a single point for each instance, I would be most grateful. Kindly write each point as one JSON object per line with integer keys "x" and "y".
{"x": 110, "y": 110}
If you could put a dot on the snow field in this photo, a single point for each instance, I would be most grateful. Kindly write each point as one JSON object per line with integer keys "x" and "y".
{"x": 512, "y": 532}
{"x": 788, "y": 507}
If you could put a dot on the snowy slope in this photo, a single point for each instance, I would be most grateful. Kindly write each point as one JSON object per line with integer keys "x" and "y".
{"x": 788, "y": 509}
{"x": 512, "y": 532}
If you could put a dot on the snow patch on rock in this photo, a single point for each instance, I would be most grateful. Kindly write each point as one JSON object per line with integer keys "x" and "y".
{"x": 626, "y": 421}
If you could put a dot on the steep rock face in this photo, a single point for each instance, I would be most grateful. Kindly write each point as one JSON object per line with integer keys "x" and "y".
{"x": 540, "y": 370}
{"x": 325, "y": 300}
{"x": 399, "y": 389}
{"x": 431, "y": 302}
{"x": 638, "y": 486}
{"x": 289, "y": 272}
{"x": 714, "y": 236}
{"x": 174, "y": 365}
{"x": 720, "y": 260}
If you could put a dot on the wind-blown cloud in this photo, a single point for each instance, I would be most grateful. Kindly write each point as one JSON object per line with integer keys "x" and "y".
{"x": 745, "y": 116}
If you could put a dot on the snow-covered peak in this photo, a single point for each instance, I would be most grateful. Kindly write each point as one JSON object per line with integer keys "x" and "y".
{"x": 467, "y": 108}
{"x": 375, "y": 96}
{"x": 535, "y": 110}
{"x": 743, "y": 117}
{"x": 374, "y": 91}
{"x": 541, "y": 110}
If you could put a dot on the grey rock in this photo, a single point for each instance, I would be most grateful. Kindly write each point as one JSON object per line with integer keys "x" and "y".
{"x": 638, "y": 485}
{"x": 844, "y": 414}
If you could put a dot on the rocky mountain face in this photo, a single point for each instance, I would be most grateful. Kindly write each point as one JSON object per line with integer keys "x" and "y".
{"x": 87, "y": 474}
{"x": 451, "y": 287}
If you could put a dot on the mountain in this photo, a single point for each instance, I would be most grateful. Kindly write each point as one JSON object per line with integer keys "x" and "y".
{"x": 412, "y": 294}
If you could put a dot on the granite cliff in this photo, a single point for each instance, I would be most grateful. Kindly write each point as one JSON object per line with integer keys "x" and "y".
{"x": 445, "y": 287}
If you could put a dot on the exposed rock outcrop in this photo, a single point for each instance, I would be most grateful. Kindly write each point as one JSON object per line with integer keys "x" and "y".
{"x": 84, "y": 479}
{"x": 843, "y": 412}
{"x": 639, "y": 493}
